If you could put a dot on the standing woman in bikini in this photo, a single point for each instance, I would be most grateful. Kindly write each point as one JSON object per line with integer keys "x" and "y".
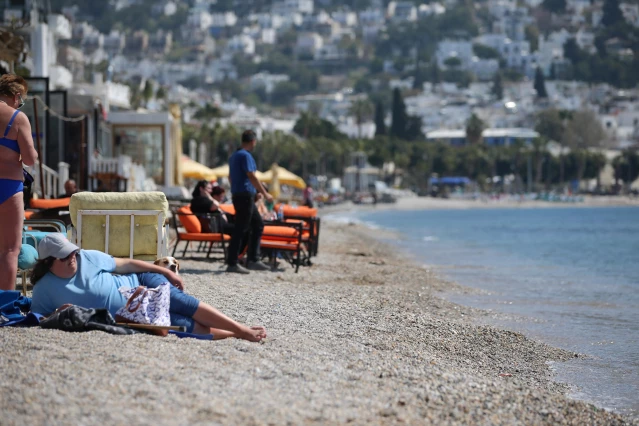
{"x": 16, "y": 147}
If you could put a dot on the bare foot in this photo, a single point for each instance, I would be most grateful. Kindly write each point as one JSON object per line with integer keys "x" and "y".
{"x": 254, "y": 334}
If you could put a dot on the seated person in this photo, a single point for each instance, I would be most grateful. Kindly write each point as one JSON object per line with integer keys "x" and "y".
{"x": 207, "y": 199}
{"x": 70, "y": 188}
{"x": 90, "y": 279}
{"x": 263, "y": 210}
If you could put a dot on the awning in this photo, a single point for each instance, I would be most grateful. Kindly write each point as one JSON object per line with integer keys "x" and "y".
{"x": 193, "y": 170}
{"x": 455, "y": 180}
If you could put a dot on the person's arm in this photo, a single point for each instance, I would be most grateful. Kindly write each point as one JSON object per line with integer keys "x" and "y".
{"x": 25, "y": 140}
{"x": 258, "y": 186}
{"x": 133, "y": 266}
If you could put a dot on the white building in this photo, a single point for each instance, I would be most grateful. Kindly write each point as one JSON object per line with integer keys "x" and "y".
{"x": 371, "y": 16}
{"x": 267, "y": 80}
{"x": 227, "y": 19}
{"x": 290, "y": 7}
{"x": 551, "y": 49}
{"x": 462, "y": 50}
{"x": 166, "y": 8}
{"x": 402, "y": 11}
{"x": 241, "y": 44}
{"x": 308, "y": 43}
{"x": 430, "y": 10}
{"x": 199, "y": 20}
{"x": 345, "y": 18}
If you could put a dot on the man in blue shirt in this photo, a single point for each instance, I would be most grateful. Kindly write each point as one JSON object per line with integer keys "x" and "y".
{"x": 244, "y": 185}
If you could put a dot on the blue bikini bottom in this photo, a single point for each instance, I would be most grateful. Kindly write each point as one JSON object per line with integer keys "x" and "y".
{"x": 9, "y": 188}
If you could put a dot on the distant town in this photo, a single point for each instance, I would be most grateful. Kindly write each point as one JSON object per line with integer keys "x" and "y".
{"x": 532, "y": 95}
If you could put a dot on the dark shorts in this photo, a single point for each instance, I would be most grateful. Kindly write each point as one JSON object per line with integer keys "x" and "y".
{"x": 182, "y": 307}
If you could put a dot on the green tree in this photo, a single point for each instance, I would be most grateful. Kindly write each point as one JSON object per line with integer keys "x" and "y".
{"x": 147, "y": 94}
{"x": 161, "y": 93}
{"x": 485, "y": 52}
{"x": 380, "y": 117}
{"x": 555, "y": 6}
{"x": 311, "y": 126}
{"x": 532, "y": 37}
{"x": 540, "y": 84}
{"x": 612, "y": 14}
{"x": 362, "y": 110}
{"x": 399, "y": 116}
{"x": 583, "y": 132}
{"x": 626, "y": 167}
{"x": 452, "y": 62}
{"x": 474, "y": 129}
{"x": 498, "y": 86}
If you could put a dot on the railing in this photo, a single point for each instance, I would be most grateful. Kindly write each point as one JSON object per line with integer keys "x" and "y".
{"x": 134, "y": 173}
{"x": 53, "y": 180}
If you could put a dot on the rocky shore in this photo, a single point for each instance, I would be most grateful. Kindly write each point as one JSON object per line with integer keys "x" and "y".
{"x": 360, "y": 337}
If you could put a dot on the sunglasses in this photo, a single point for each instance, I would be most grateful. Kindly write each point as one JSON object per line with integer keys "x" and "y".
{"x": 21, "y": 101}
{"x": 66, "y": 259}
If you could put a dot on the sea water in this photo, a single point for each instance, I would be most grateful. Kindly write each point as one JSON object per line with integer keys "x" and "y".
{"x": 568, "y": 276}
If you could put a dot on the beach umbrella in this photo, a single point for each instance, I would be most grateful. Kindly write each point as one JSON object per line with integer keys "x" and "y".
{"x": 224, "y": 171}
{"x": 194, "y": 170}
{"x": 221, "y": 171}
{"x": 284, "y": 177}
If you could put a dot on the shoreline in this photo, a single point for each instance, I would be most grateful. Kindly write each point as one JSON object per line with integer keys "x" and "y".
{"x": 363, "y": 336}
{"x": 429, "y": 203}
{"x": 463, "y": 294}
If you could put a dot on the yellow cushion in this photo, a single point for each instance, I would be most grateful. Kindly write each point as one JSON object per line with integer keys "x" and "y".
{"x": 93, "y": 227}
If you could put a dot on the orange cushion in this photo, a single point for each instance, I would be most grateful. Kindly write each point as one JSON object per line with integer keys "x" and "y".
{"x": 299, "y": 211}
{"x": 228, "y": 209}
{"x": 204, "y": 237}
{"x": 279, "y": 245}
{"x": 28, "y": 214}
{"x": 43, "y": 203}
{"x": 190, "y": 222}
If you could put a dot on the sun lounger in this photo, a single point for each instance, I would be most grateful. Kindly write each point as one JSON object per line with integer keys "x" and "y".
{"x": 193, "y": 230}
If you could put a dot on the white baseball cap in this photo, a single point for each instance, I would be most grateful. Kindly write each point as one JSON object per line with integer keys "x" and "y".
{"x": 55, "y": 245}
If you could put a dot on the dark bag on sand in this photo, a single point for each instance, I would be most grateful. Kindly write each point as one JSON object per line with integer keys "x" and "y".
{"x": 77, "y": 318}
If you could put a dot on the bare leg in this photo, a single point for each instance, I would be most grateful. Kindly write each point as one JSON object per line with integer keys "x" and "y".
{"x": 12, "y": 214}
{"x": 210, "y": 320}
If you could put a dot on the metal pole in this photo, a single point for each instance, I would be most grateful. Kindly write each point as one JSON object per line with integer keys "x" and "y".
{"x": 82, "y": 159}
{"x": 529, "y": 174}
{"x": 37, "y": 129}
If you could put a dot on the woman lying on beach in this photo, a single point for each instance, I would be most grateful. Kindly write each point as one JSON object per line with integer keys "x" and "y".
{"x": 90, "y": 279}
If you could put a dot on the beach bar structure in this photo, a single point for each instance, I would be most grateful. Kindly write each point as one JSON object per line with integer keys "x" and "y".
{"x": 492, "y": 137}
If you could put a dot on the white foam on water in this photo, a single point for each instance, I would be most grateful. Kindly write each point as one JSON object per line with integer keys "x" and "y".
{"x": 430, "y": 238}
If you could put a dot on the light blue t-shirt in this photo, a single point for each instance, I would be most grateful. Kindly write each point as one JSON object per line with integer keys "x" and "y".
{"x": 240, "y": 163}
{"x": 93, "y": 286}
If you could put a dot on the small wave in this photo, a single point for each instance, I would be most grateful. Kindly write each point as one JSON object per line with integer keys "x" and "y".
{"x": 347, "y": 220}
{"x": 430, "y": 238}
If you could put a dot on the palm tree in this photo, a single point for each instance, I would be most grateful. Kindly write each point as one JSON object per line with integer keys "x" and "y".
{"x": 474, "y": 128}
{"x": 362, "y": 110}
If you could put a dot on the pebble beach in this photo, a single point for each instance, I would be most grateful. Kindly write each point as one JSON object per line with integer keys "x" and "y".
{"x": 362, "y": 336}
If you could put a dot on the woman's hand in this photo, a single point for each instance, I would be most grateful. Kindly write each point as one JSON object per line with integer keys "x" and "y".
{"x": 174, "y": 279}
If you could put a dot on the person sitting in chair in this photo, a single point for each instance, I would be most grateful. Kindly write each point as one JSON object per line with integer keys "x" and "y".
{"x": 207, "y": 199}
{"x": 90, "y": 279}
{"x": 70, "y": 188}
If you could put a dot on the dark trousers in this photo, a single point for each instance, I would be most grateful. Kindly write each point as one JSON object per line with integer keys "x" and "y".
{"x": 248, "y": 227}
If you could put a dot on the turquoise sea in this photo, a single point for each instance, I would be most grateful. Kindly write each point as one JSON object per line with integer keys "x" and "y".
{"x": 570, "y": 276}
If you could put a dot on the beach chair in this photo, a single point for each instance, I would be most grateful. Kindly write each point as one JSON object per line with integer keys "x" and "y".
{"x": 308, "y": 216}
{"x": 286, "y": 239}
{"x": 191, "y": 231}
{"x": 128, "y": 224}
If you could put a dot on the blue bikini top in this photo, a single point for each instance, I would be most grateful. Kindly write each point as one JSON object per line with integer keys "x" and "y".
{"x": 10, "y": 143}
